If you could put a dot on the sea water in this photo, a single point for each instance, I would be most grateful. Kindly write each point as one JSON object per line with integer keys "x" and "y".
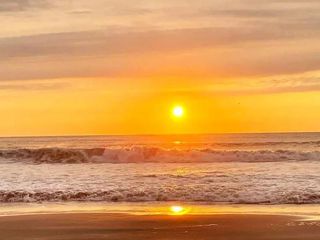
{"x": 282, "y": 168}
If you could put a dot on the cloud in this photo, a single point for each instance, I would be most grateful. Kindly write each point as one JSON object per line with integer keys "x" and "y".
{"x": 215, "y": 51}
{"x": 291, "y": 83}
{"x": 80, "y": 11}
{"x": 21, "y": 5}
{"x": 278, "y": 84}
{"x": 161, "y": 38}
{"x": 33, "y": 85}
{"x": 97, "y": 43}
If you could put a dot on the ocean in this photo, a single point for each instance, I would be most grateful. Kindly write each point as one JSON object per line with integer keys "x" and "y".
{"x": 281, "y": 168}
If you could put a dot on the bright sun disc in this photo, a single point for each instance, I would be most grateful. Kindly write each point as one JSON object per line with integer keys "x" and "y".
{"x": 178, "y": 111}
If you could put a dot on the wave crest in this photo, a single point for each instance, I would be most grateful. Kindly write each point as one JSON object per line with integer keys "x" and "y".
{"x": 156, "y": 195}
{"x": 52, "y": 155}
{"x": 153, "y": 154}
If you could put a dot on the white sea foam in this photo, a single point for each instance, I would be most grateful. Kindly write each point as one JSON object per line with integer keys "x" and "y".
{"x": 229, "y": 182}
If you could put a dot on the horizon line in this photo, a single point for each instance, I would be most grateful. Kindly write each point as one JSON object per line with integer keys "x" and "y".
{"x": 155, "y": 134}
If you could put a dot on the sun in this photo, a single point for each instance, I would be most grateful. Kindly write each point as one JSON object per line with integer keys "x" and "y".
{"x": 178, "y": 111}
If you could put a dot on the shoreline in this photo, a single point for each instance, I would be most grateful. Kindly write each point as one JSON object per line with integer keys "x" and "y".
{"x": 126, "y": 221}
{"x": 157, "y": 208}
{"x": 69, "y": 226}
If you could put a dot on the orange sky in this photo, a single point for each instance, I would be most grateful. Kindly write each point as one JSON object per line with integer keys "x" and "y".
{"x": 118, "y": 67}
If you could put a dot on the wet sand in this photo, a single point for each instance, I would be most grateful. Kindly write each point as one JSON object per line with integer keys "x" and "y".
{"x": 97, "y": 226}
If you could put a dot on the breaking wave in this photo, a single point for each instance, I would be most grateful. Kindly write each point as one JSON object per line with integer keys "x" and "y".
{"x": 269, "y": 143}
{"x": 152, "y": 154}
{"x": 156, "y": 195}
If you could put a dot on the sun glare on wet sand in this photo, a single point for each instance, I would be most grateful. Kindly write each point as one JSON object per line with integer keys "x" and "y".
{"x": 178, "y": 210}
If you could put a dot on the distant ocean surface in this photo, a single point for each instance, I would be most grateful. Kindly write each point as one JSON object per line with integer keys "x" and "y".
{"x": 270, "y": 168}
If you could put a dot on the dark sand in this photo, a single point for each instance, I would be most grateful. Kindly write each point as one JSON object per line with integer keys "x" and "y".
{"x": 97, "y": 226}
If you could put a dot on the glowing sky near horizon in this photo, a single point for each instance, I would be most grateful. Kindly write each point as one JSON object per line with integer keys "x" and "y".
{"x": 118, "y": 66}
